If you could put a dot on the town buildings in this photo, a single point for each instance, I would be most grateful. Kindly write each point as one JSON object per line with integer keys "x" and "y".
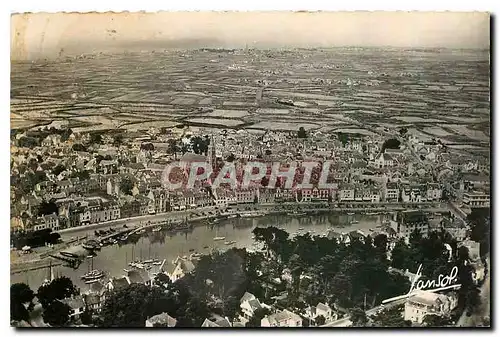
{"x": 426, "y": 303}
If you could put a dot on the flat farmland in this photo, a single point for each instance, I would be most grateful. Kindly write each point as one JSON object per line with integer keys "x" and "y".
{"x": 436, "y": 93}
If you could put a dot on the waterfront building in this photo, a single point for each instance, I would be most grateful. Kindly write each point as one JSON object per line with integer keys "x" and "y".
{"x": 47, "y": 221}
{"x": 408, "y": 221}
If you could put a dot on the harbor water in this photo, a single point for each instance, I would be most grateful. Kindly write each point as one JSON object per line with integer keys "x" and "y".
{"x": 169, "y": 245}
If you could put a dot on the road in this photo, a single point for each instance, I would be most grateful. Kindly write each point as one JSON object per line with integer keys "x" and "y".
{"x": 484, "y": 310}
{"x": 68, "y": 233}
{"x": 457, "y": 212}
{"x": 345, "y": 322}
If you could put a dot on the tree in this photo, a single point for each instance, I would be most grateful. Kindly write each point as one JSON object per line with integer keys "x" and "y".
{"x": 268, "y": 152}
{"x": 56, "y": 313}
{"x": 131, "y": 306}
{"x": 193, "y": 313}
{"x": 58, "y": 169}
{"x": 21, "y": 293}
{"x": 118, "y": 140}
{"x": 29, "y": 142}
{"x": 230, "y": 158}
{"x": 147, "y": 147}
{"x": 302, "y": 133}
{"x": 343, "y": 138}
{"x": 60, "y": 288}
{"x": 380, "y": 241}
{"x": 18, "y": 312}
{"x": 126, "y": 186}
{"x": 258, "y": 315}
{"x": 21, "y": 297}
{"x": 436, "y": 321}
{"x": 479, "y": 220}
{"x": 86, "y": 316}
{"x": 47, "y": 208}
{"x": 390, "y": 318}
{"x": 162, "y": 280}
{"x": 320, "y": 320}
{"x": 358, "y": 317}
{"x": 199, "y": 144}
{"x": 391, "y": 143}
{"x": 403, "y": 131}
{"x": 95, "y": 138}
{"x": 65, "y": 135}
{"x": 79, "y": 147}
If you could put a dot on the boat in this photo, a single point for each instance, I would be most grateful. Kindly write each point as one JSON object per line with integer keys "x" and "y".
{"x": 350, "y": 213}
{"x": 157, "y": 263}
{"x": 93, "y": 275}
{"x": 250, "y": 215}
{"x": 191, "y": 250}
{"x": 296, "y": 213}
{"x": 91, "y": 281}
{"x": 196, "y": 255}
{"x": 219, "y": 238}
{"x": 228, "y": 243}
{"x": 206, "y": 247}
{"x": 157, "y": 229}
{"x": 301, "y": 228}
{"x": 354, "y": 222}
{"x": 232, "y": 216}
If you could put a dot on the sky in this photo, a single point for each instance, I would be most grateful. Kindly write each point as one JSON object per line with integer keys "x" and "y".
{"x": 43, "y": 35}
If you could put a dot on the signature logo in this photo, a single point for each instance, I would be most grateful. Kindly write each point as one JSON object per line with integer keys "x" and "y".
{"x": 442, "y": 282}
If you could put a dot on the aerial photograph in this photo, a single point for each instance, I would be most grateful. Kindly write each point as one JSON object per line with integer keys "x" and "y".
{"x": 250, "y": 169}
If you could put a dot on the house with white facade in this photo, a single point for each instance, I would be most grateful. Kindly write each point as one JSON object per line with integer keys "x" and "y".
{"x": 249, "y": 304}
{"x": 76, "y": 305}
{"x": 383, "y": 160}
{"x": 426, "y": 303}
{"x": 180, "y": 268}
{"x": 322, "y": 309}
{"x": 282, "y": 319}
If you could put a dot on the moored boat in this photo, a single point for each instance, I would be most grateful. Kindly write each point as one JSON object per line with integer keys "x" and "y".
{"x": 93, "y": 275}
{"x": 295, "y": 213}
